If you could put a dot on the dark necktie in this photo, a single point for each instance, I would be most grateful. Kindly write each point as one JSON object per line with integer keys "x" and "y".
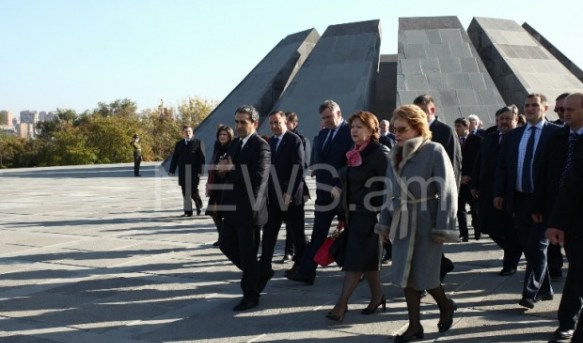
{"x": 328, "y": 138}
{"x": 274, "y": 143}
{"x": 527, "y": 165}
{"x": 569, "y": 158}
{"x": 462, "y": 141}
{"x": 500, "y": 138}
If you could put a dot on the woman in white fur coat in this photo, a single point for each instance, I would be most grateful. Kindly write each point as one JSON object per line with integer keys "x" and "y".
{"x": 419, "y": 215}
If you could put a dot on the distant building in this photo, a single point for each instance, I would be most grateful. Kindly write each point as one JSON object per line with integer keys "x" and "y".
{"x": 5, "y": 118}
{"x": 25, "y": 130}
{"x": 30, "y": 117}
{"x": 46, "y": 116}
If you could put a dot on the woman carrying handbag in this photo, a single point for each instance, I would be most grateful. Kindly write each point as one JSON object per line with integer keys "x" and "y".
{"x": 363, "y": 183}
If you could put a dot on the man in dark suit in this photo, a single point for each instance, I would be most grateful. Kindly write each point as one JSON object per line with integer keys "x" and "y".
{"x": 189, "y": 158}
{"x": 475, "y": 126}
{"x": 444, "y": 135}
{"x": 286, "y": 189}
{"x": 333, "y": 143}
{"x": 556, "y": 164}
{"x": 292, "y": 122}
{"x": 498, "y": 224}
{"x": 386, "y": 138}
{"x": 244, "y": 204}
{"x": 470, "y": 145}
{"x": 560, "y": 109}
{"x": 519, "y": 162}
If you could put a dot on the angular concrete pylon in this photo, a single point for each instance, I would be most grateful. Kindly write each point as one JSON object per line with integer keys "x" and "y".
{"x": 554, "y": 51}
{"x": 262, "y": 86}
{"x": 386, "y": 87}
{"x": 518, "y": 63}
{"x": 343, "y": 67}
{"x": 436, "y": 57}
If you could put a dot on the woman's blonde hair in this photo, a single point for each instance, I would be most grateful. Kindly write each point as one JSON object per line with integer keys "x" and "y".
{"x": 415, "y": 117}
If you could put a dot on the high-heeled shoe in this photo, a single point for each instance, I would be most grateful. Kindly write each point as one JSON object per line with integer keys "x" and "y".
{"x": 408, "y": 338}
{"x": 368, "y": 310}
{"x": 337, "y": 318}
{"x": 443, "y": 327}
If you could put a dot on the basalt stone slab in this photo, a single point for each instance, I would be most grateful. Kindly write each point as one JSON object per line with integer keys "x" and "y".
{"x": 343, "y": 66}
{"x": 554, "y": 51}
{"x": 263, "y": 86}
{"x": 386, "y": 87}
{"x": 519, "y": 63}
{"x": 437, "y": 57}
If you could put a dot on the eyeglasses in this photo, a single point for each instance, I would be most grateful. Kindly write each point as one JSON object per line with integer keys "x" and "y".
{"x": 401, "y": 129}
{"x": 559, "y": 109}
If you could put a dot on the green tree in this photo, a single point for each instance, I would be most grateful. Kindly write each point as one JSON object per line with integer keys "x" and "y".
{"x": 194, "y": 110}
{"x": 68, "y": 146}
{"x": 161, "y": 131}
{"x": 119, "y": 107}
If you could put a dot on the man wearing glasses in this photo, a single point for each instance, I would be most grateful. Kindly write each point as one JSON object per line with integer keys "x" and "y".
{"x": 560, "y": 108}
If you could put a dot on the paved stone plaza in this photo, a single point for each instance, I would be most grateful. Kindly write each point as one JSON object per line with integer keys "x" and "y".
{"x": 93, "y": 254}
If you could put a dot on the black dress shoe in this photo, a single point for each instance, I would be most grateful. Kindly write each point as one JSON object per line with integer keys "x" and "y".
{"x": 464, "y": 238}
{"x": 293, "y": 270}
{"x": 216, "y": 244}
{"x": 188, "y": 214}
{"x": 369, "y": 310}
{"x": 561, "y": 335}
{"x": 245, "y": 304}
{"x": 544, "y": 297}
{"x": 286, "y": 259}
{"x": 300, "y": 278}
{"x": 507, "y": 271}
{"x": 526, "y": 302}
{"x": 198, "y": 211}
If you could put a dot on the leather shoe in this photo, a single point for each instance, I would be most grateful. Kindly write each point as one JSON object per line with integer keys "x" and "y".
{"x": 526, "y": 302}
{"x": 507, "y": 271}
{"x": 245, "y": 304}
{"x": 198, "y": 211}
{"x": 292, "y": 270}
{"x": 187, "y": 215}
{"x": 286, "y": 259}
{"x": 300, "y": 278}
{"x": 544, "y": 297}
{"x": 561, "y": 335}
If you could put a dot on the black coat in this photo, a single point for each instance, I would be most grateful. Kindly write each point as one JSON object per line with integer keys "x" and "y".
{"x": 469, "y": 153}
{"x": 192, "y": 155}
{"x": 446, "y": 136}
{"x": 388, "y": 140}
{"x": 215, "y": 179}
{"x": 361, "y": 202}
{"x": 287, "y": 164}
{"x": 507, "y": 164}
{"x": 251, "y": 172}
{"x": 333, "y": 155}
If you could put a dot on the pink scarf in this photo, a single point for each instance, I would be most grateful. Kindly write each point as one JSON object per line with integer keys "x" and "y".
{"x": 353, "y": 158}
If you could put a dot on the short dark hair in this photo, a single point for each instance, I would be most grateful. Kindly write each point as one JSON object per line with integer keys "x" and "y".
{"x": 541, "y": 97}
{"x": 249, "y": 110}
{"x": 292, "y": 117}
{"x": 277, "y": 112}
{"x": 462, "y": 121}
{"x": 423, "y": 99}
{"x": 511, "y": 108}
{"x": 562, "y": 96}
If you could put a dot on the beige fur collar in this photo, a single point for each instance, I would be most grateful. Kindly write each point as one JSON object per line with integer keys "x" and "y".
{"x": 408, "y": 150}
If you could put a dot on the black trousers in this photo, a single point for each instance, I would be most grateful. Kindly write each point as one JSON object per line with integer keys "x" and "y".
{"x": 555, "y": 260}
{"x": 294, "y": 222}
{"x": 192, "y": 194}
{"x": 534, "y": 245}
{"x": 571, "y": 301}
{"x": 137, "y": 162}
{"x": 322, "y": 222}
{"x": 465, "y": 197}
{"x": 240, "y": 242}
{"x": 503, "y": 233}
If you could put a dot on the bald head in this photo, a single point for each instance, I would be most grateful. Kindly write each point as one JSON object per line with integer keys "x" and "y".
{"x": 573, "y": 115}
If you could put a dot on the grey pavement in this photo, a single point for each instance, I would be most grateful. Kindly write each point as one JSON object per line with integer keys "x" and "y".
{"x": 93, "y": 254}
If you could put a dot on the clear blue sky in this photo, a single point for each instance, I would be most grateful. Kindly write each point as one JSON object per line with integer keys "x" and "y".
{"x": 76, "y": 53}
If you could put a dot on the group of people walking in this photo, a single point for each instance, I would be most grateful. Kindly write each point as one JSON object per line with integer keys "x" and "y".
{"x": 400, "y": 192}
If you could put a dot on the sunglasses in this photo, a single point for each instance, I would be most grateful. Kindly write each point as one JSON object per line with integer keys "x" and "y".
{"x": 559, "y": 109}
{"x": 401, "y": 129}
